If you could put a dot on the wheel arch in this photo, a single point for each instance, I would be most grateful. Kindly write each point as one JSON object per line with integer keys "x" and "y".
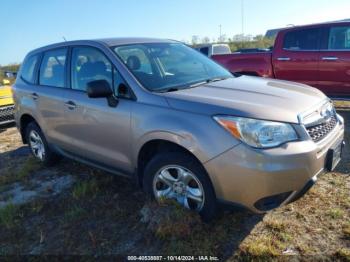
{"x": 153, "y": 146}
{"x": 25, "y": 119}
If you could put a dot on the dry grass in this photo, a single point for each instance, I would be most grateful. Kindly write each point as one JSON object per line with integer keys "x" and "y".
{"x": 9, "y": 215}
{"x": 346, "y": 230}
{"x": 85, "y": 189}
{"x": 262, "y": 247}
{"x": 343, "y": 254}
{"x": 275, "y": 224}
{"x": 74, "y": 213}
{"x": 335, "y": 213}
{"x": 20, "y": 172}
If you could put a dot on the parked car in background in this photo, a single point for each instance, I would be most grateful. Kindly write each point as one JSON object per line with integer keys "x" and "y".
{"x": 6, "y": 104}
{"x": 177, "y": 122}
{"x": 213, "y": 49}
{"x": 317, "y": 55}
{"x": 10, "y": 74}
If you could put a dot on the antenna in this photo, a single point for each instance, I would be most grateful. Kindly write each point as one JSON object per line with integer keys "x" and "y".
{"x": 242, "y": 16}
{"x": 65, "y": 40}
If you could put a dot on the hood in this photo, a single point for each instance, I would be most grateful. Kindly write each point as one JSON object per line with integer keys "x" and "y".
{"x": 247, "y": 96}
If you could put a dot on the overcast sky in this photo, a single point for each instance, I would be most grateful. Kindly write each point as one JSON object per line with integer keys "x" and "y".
{"x": 30, "y": 24}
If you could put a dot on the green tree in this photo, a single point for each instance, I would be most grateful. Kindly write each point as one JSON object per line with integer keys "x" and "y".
{"x": 11, "y": 67}
{"x": 243, "y": 41}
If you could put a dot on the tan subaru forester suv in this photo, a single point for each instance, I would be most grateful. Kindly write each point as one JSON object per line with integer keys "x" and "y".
{"x": 184, "y": 127}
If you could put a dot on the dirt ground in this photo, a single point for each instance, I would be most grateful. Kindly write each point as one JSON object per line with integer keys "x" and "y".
{"x": 71, "y": 209}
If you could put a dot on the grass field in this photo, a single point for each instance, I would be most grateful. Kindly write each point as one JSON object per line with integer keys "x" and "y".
{"x": 76, "y": 210}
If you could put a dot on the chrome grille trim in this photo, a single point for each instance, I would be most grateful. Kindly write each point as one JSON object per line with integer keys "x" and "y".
{"x": 318, "y": 132}
{"x": 319, "y": 121}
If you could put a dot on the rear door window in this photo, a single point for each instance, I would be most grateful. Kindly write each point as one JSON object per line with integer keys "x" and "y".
{"x": 305, "y": 39}
{"x": 53, "y": 67}
{"x": 339, "y": 38}
{"x": 28, "y": 69}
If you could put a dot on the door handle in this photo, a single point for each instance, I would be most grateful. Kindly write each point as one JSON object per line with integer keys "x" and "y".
{"x": 283, "y": 58}
{"x": 70, "y": 104}
{"x": 35, "y": 96}
{"x": 330, "y": 58}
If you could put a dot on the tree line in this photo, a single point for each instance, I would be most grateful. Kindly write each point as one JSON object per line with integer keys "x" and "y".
{"x": 237, "y": 41}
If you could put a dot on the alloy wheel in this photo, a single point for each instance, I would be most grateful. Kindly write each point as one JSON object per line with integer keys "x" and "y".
{"x": 36, "y": 144}
{"x": 178, "y": 183}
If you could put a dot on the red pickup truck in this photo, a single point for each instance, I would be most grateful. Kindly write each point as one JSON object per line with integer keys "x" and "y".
{"x": 317, "y": 55}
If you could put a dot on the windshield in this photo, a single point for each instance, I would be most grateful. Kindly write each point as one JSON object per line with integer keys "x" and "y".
{"x": 169, "y": 66}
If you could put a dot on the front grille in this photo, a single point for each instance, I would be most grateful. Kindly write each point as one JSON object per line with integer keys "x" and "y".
{"x": 6, "y": 114}
{"x": 318, "y": 132}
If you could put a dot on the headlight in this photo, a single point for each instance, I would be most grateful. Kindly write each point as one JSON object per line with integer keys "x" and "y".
{"x": 258, "y": 133}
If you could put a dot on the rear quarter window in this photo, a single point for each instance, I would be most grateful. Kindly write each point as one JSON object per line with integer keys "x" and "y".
{"x": 28, "y": 69}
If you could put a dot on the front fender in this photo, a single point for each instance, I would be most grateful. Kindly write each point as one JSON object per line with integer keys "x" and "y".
{"x": 183, "y": 141}
{"x": 197, "y": 133}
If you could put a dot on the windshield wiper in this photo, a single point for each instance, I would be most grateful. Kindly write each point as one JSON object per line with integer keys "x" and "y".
{"x": 198, "y": 83}
{"x": 166, "y": 90}
{"x": 217, "y": 79}
{"x": 208, "y": 81}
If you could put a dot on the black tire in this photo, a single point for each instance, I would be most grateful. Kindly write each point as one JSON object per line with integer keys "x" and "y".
{"x": 49, "y": 158}
{"x": 209, "y": 209}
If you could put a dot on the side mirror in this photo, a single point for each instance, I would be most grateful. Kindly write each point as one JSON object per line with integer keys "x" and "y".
{"x": 101, "y": 88}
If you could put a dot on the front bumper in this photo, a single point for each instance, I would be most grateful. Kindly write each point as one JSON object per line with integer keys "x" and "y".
{"x": 7, "y": 114}
{"x": 264, "y": 179}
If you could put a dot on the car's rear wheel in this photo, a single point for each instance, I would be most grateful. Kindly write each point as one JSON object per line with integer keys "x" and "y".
{"x": 180, "y": 177}
{"x": 38, "y": 145}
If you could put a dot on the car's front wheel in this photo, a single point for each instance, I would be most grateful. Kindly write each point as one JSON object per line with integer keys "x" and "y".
{"x": 181, "y": 177}
{"x": 38, "y": 145}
